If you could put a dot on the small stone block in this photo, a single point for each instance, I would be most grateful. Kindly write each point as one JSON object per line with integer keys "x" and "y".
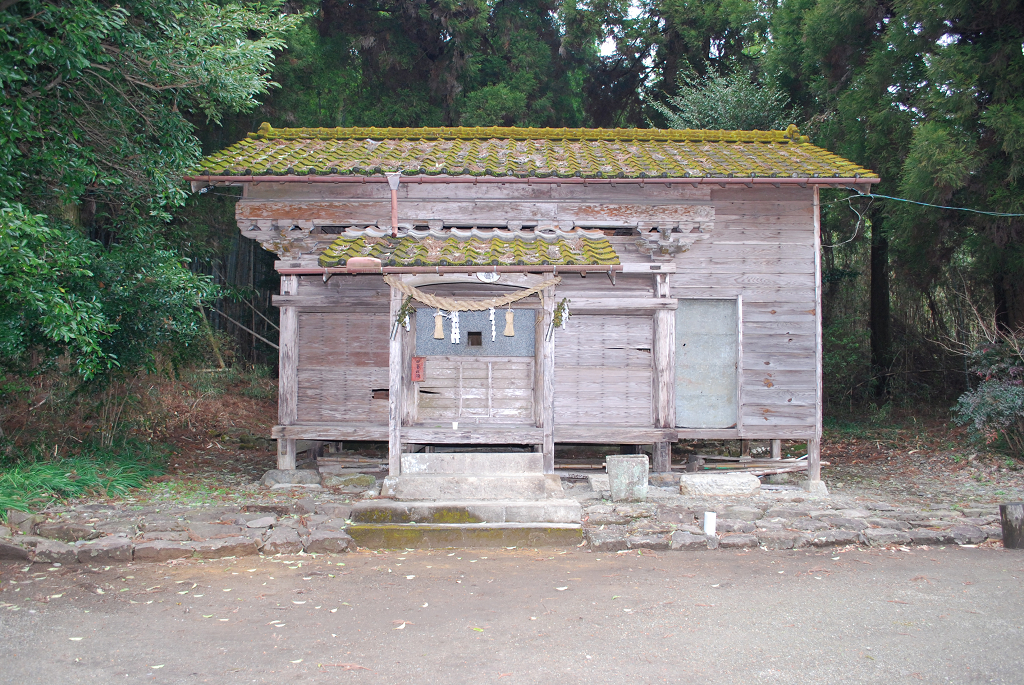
{"x": 110, "y": 548}
{"x": 12, "y": 552}
{"x": 741, "y": 541}
{"x": 815, "y": 487}
{"x": 340, "y": 511}
{"x": 55, "y": 551}
{"x": 688, "y": 542}
{"x": 879, "y": 537}
{"x": 359, "y": 481}
{"x": 718, "y": 484}
{"x": 627, "y": 477}
{"x": 262, "y": 522}
{"x": 606, "y": 540}
{"x": 162, "y": 550}
{"x": 67, "y": 532}
{"x": 924, "y": 536}
{"x": 290, "y": 477}
{"x": 328, "y": 542}
{"x": 647, "y": 542}
{"x": 967, "y": 535}
{"x": 834, "y": 538}
{"x": 226, "y": 547}
{"x": 283, "y": 540}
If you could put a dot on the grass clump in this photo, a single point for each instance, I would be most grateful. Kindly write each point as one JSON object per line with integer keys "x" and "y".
{"x": 94, "y": 471}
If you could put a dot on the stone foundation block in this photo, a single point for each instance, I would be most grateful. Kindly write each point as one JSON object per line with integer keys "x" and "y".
{"x": 162, "y": 550}
{"x": 879, "y": 537}
{"x": 606, "y": 540}
{"x": 67, "y": 532}
{"x": 718, "y": 484}
{"x": 834, "y": 538}
{"x": 688, "y": 542}
{"x": 226, "y": 547}
{"x": 56, "y": 552}
{"x": 627, "y": 477}
{"x": 290, "y": 477}
{"x": 283, "y": 540}
{"x": 923, "y": 536}
{"x": 647, "y": 542}
{"x": 111, "y": 548}
{"x": 12, "y": 552}
{"x": 967, "y": 535}
{"x": 738, "y": 541}
{"x": 328, "y": 542}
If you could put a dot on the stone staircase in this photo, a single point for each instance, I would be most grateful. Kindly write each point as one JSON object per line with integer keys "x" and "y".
{"x": 468, "y": 499}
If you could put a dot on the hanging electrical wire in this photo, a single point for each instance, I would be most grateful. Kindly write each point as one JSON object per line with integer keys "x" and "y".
{"x": 860, "y": 193}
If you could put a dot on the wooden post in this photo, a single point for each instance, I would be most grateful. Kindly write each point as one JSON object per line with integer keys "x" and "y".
{"x": 547, "y": 378}
{"x": 661, "y": 457}
{"x": 814, "y": 452}
{"x": 814, "y": 459}
{"x": 692, "y": 462}
{"x": 744, "y": 450}
{"x": 1011, "y": 516}
{"x": 288, "y": 373}
{"x": 395, "y": 372}
{"x": 664, "y": 389}
{"x": 776, "y": 449}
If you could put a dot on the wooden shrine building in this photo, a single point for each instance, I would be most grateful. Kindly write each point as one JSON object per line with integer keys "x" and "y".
{"x": 504, "y": 286}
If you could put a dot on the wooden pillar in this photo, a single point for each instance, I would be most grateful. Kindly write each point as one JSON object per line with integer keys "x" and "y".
{"x": 664, "y": 389}
{"x": 288, "y": 373}
{"x": 776, "y": 449}
{"x": 395, "y": 373}
{"x": 814, "y": 445}
{"x": 744, "y": 450}
{"x": 547, "y": 379}
{"x": 814, "y": 459}
{"x": 661, "y": 457}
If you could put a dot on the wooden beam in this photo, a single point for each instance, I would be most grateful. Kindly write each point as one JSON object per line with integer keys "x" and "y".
{"x": 288, "y": 366}
{"x": 395, "y": 374}
{"x": 646, "y": 304}
{"x": 603, "y": 434}
{"x": 474, "y": 435}
{"x": 547, "y": 378}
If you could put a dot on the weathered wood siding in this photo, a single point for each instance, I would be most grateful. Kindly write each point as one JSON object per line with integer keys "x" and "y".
{"x": 343, "y": 359}
{"x": 603, "y": 371}
{"x": 487, "y": 389}
{"x": 760, "y": 250}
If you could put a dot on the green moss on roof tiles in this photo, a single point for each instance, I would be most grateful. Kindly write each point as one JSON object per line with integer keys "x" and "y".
{"x": 471, "y": 248}
{"x": 524, "y": 152}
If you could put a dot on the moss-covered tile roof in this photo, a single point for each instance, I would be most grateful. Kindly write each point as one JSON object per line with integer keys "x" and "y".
{"x": 471, "y": 247}
{"x": 524, "y": 152}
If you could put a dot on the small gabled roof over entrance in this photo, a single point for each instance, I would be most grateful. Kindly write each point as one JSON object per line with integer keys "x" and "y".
{"x": 472, "y": 247}
{"x": 528, "y": 152}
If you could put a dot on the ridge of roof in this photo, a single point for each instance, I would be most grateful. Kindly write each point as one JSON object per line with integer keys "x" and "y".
{"x": 268, "y": 132}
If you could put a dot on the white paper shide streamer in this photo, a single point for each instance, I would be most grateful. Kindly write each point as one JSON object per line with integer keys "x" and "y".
{"x": 491, "y": 310}
{"x": 456, "y": 337}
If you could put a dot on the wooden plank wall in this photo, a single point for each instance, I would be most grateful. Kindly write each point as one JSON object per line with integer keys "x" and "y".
{"x": 603, "y": 371}
{"x": 490, "y": 390}
{"x": 762, "y": 249}
{"x": 343, "y": 358}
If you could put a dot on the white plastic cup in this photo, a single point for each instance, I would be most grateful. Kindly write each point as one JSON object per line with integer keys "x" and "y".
{"x": 455, "y": 425}
{"x": 710, "y": 519}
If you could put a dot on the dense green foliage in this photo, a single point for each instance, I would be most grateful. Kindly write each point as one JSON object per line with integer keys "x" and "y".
{"x": 106, "y": 261}
{"x": 93, "y": 143}
{"x": 98, "y": 471}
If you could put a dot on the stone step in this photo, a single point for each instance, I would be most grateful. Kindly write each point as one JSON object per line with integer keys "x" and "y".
{"x": 533, "y": 486}
{"x": 467, "y": 512}
{"x": 491, "y": 535}
{"x": 472, "y": 463}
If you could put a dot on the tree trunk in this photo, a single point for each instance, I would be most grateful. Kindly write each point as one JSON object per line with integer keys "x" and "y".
{"x": 879, "y": 316}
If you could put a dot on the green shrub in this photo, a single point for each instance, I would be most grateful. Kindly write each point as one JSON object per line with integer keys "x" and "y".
{"x": 994, "y": 410}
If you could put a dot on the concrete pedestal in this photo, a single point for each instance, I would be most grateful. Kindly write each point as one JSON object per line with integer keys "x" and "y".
{"x": 627, "y": 477}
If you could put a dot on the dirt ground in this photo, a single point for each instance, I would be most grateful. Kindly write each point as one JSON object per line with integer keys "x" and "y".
{"x": 523, "y": 616}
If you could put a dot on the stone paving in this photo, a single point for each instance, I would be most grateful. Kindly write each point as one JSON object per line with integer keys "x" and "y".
{"x": 776, "y": 517}
{"x": 783, "y": 518}
{"x": 110, "y": 534}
